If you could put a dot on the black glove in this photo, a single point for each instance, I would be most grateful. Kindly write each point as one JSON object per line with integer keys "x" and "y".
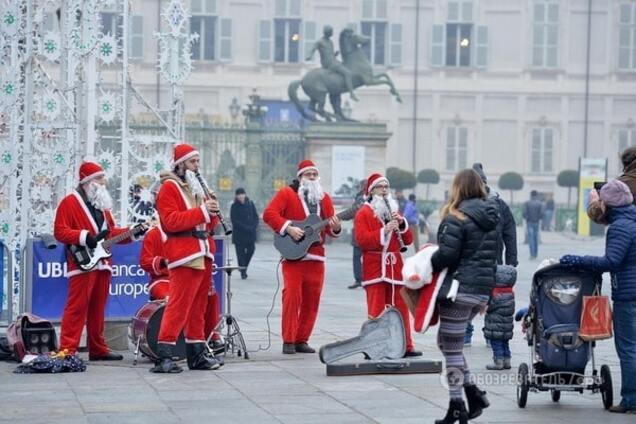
{"x": 91, "y": 241}
{"x": 163, "y": 263}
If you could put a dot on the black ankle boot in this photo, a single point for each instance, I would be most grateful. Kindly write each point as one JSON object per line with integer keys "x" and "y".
{"x": 477, "y": 400}
{"x": 198, "y": 359}
{"x": 164, "y": 363}
{"x": 456, "y": 412}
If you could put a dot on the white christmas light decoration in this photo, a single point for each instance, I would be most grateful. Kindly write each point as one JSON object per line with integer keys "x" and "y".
{"x": 108, "y": 49}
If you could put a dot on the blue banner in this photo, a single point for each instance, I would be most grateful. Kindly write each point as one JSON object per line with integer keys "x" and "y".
{"x": 3, "y": 281}
{"x": 128, "y": 287}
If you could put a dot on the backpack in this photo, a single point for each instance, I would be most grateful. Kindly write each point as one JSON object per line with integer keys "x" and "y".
{"x": 30, "y": 334}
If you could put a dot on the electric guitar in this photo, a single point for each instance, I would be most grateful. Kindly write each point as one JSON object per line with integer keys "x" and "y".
{"x": 87, "y": 258}
{"x": 291, "y": 249}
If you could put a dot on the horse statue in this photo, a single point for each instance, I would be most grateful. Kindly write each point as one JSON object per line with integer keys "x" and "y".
{"x": 319, "y": 82}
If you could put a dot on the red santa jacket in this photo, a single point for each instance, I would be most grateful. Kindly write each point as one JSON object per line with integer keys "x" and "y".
{"x": 381, "y": 257}
{"x": 151, "y": 256}
{"x": 287, "y": 206}
{"x": 180, "y": 212}
{"x": 73, "y": 222}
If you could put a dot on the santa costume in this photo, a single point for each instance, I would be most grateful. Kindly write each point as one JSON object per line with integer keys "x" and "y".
{"x": 153, "y": 260}
{"x": 382, "y": 260}
{"x": 186, "y": 227}
{"x": 303, "y": 279}
{"x": 78, "y": 222}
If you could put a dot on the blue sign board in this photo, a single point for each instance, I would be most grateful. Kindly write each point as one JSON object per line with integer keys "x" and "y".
{"x": 128, "y": 287}
{"x": 2, "y": 280}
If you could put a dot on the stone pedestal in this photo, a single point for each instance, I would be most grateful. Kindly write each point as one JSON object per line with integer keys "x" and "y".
{"x": 325, "y": 138}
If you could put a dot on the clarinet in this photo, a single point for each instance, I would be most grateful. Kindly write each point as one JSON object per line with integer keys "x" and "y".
{"x": 403, "y": 248}
{"x": 208, "y": 193}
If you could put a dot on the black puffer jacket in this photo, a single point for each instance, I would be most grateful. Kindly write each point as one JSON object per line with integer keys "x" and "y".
{"x": 501, "y": 307}
{"x": 468, "y": 248}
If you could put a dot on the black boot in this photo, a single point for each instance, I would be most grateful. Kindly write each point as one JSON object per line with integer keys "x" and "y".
{"x": 164, "y": 363}
{"x": 477, "y": 400}
{"x": 456, "y": 412}
{"x": 198, "y": 359}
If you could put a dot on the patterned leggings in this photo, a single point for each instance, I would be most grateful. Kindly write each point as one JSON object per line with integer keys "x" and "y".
{"x": 454, "y": 317}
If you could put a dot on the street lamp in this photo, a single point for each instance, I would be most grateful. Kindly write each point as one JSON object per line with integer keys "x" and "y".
{"x": 235, "y": 109}
{"x": 254, "y": 111}
{"x": 346, "y": 109}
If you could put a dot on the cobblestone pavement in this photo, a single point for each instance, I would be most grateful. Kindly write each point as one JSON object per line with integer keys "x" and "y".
{"x": 272, "y": 388}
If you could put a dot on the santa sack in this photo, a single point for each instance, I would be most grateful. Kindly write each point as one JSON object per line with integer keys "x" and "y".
{"x": 30, "y": 334}
{"x": 421, "y": 288}
{"x": 596, "y": 318}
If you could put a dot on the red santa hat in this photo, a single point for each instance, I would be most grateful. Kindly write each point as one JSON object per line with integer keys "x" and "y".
{"x": 374, "y": 180}
{"x": 304, "y": 166}
{"x": 183, "y": 152}
{"x": 89, "y": 171}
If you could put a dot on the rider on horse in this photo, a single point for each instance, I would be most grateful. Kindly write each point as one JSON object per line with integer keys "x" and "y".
{"x": 328, "y": 58}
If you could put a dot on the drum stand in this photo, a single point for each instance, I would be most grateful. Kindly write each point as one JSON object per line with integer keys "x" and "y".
{"x": 234, "y": 341}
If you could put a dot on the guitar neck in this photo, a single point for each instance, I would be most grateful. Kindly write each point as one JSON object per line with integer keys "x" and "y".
{"x": 322, "y": 224}
{"x": 120, "y": 237}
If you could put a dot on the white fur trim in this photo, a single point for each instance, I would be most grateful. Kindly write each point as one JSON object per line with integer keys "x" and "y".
{"x": 92, "y": 177}
{"x": 185, "y": 157}
{"x": 80, "y": 201}
{"x": 191, "y": 341}
{"x": 82, "y": 237}
{"x": 406, "y": 226}
{"x": 383, "y": 240}
{"x": 383, "y": 280}
{"x": 186, "y": 259}
{"x": 156, "y": 263}
{"x": 312, "y": 257}
{"x": 206, "y": 214}
{"x": 283, "y": 229}
{"x": 376, "y": 182}
{"x": 305, "y": 169}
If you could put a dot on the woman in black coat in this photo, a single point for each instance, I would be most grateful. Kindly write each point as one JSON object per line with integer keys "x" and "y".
{"x": 244, "y": 224}
{"x": 467, "y": 239}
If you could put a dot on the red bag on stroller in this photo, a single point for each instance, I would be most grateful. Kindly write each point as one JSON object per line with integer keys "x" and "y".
{"x": 596, "y": 318}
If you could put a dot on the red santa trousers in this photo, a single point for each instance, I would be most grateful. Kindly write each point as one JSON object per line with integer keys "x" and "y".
{"x": 379, "y": 295}
{"x": 303, "y": 281}
{"x": 212, "y": 316}
{"x": 187, "y": 301}
{"x": 86, "y": 304}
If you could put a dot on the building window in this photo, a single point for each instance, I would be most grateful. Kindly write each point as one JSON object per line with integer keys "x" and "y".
{"x": 136, "y": 45}
{"x": 203, "y": 22}
{"x": 374, "y": 25}
{"x": 626, "y": 138}
{"x": 286, "y": 40}
{"x": 456, "y": 148}
{"x": 542, "y": 153}
{"x": 112, "y": 24}
{"x": 459, "y": 43}
{"x": 545, "y": 38}
{"x": 627, "y": 37}
{"x": 287, "y": 22}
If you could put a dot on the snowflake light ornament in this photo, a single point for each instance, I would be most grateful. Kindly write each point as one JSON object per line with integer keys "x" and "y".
{"x": 107, "y": 107}
{"x": 50, "y": 107}
{"x": 108, "y": 49}
{"x": 175, "y": 60}
{"x": 50, "y": 46}
{"x": 9, "y": 22}
{"x": 109, "y": 162}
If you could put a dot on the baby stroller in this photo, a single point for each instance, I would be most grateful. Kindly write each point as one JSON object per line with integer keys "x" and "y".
{"x": 558, "y": 356}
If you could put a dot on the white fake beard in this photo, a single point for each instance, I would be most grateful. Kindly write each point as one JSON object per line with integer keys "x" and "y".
{"x": 194, "y": 184}
{"x": 313, "y": 189}
{"x": 98, "y": 196}
{"x": 379, "y": 206}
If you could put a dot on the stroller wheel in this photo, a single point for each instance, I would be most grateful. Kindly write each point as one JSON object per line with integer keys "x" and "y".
{"x": 523, "y": 385}
{"x": 556, "y": 395}
{"x": 607, "y": 391}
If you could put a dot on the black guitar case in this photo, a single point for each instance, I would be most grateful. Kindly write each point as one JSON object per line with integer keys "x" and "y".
{"x": 383, "y": 343}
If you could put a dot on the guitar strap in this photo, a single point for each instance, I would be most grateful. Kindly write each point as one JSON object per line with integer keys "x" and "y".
{"x": 312, "y": 207}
